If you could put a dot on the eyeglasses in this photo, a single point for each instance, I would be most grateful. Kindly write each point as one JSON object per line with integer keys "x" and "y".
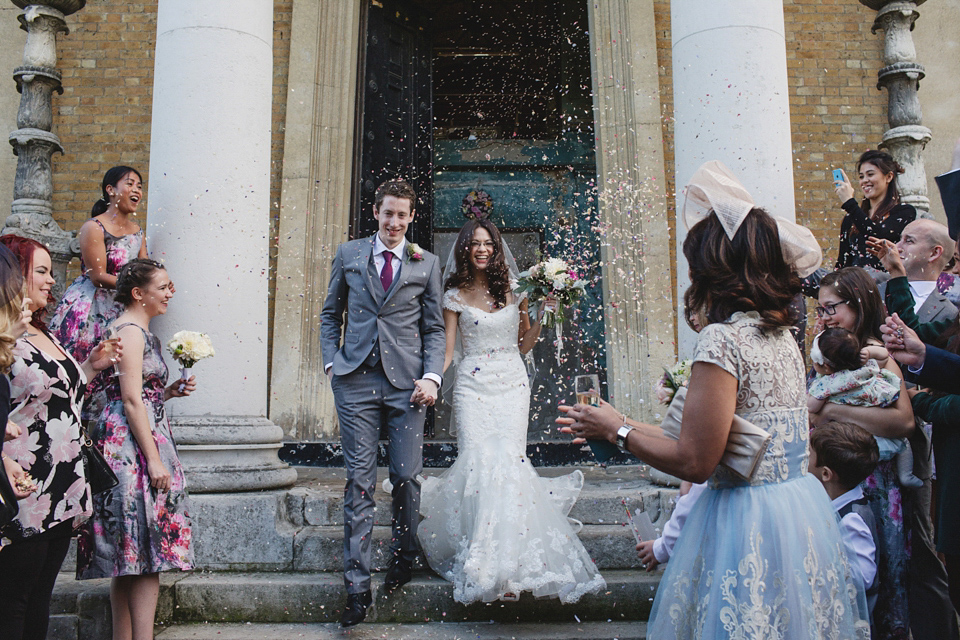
{"x": 829, "y": 309}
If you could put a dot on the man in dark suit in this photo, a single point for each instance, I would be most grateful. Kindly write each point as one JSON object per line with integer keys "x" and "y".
{"x": 384, "y": 373}
{"x": 949, "y": 186}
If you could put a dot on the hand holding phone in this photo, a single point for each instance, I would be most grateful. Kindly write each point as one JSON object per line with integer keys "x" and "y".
{"x": 838, "y": 176}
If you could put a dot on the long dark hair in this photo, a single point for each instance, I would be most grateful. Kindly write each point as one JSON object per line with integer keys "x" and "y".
{"x": 24, "y": 249}
{"x": 111, "y": 178}
{"x": 886, "y": 164}
{"x": 498, "y": 275}
{"x": 855, "y": 286}
{"x": 747, "y": 273}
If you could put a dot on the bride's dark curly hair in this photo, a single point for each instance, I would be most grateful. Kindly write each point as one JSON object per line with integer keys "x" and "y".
{"x": 747, "y": 273}
{"x": 498, "y": 275}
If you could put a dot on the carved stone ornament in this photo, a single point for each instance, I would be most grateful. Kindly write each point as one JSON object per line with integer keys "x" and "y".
{"x": 66, "y": 7}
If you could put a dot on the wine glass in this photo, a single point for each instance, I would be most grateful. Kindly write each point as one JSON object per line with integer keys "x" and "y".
{"x": 110, "y": 339}
{"x": 588, "y": 389}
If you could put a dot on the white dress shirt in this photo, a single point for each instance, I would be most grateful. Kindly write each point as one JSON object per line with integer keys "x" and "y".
{"x": 921, "y": 290}
{"x": 857, "y": 537}
{"x": 663, "y": 546}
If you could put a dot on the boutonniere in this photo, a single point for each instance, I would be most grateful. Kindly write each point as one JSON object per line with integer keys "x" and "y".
{"x": 416, "y": 253}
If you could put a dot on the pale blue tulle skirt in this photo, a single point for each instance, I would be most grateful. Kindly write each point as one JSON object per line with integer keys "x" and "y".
{"x": 762, "y": 561}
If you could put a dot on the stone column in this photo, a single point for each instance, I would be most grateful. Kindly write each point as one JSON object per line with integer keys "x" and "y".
{"x": 638, "y": 305}
{"x": 901, "y": 76}
{"x": 731, "y": 104}
{"x": 33, "y": 141}
{"x": 314, "y": 207}
{"x": 208, "y": 221}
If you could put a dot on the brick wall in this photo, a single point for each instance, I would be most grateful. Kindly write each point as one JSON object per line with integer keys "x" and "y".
{"x": 103, "y": 116}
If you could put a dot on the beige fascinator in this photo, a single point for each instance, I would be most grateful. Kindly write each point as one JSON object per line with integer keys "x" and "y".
{"x": 713, "y": 187}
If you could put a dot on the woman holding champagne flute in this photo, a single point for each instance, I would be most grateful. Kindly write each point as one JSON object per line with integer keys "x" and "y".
{"x": 492, "y": 526}
{"x": 46, "y": 388}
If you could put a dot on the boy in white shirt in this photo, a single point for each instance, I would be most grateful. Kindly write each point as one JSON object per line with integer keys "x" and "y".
{"x": 653, "y": 553}
{"x": 842, "y": 455}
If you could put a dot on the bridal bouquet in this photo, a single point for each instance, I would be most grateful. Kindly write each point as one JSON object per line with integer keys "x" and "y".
{"x": 672, "y": 379}
{"x": 188, "y": 348}
{"x": 557, "y": 279}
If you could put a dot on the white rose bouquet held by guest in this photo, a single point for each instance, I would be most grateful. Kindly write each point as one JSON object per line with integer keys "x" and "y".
{"x": 556, "y": 279}
{"x": 188, "y": 348}
{"x": 672, "y": 379}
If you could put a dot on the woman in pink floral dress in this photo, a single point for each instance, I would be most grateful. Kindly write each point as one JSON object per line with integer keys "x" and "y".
{"x": 140, "y": 527}
{"x": 46, "y": 386}
{"x": 108, "y": 240}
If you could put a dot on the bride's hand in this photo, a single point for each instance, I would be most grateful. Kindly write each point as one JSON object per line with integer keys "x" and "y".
{"x": 549, "y": 304}
{"x": 586, "y": 422}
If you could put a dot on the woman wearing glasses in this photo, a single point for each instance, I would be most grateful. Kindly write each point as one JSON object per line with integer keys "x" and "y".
{"x": 849, "y": 299}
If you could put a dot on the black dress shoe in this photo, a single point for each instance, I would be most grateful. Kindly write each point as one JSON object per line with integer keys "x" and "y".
{"x": 399, "y": 574}
{"x": 356, "y": 608}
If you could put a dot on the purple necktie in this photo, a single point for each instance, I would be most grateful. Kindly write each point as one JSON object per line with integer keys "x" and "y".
{"x": 386, "y": 275}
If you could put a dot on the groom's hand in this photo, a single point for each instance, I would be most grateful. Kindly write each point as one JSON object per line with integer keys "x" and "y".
{"x": 424, "y": 392}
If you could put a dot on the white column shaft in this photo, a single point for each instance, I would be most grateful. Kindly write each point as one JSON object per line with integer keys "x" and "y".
{"x": 731, "y": 104}
{"x": 210, "y": 190}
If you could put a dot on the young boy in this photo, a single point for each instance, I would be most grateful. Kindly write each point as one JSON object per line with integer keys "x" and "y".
{"x": 842, "y": 455}
{"x": 653, "y": 553}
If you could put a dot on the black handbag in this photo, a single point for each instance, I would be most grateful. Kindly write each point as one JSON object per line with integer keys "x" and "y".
{"x": 9, "y": 507}
{"x": 99, "y": 474}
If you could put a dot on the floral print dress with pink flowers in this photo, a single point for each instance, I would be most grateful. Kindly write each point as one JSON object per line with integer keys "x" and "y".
{"x": 45, "y": 403}
{"x": 136, "y": 529}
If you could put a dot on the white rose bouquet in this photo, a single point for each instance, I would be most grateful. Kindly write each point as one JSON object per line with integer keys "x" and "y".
{"x": 672, "y": 379}
{"x": 188, "y": 348}
{"x": 552, "y": 278}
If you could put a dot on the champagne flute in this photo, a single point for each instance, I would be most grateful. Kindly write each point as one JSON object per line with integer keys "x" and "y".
{"x": 588, "y": 389}
{"x": 110, "y": 339}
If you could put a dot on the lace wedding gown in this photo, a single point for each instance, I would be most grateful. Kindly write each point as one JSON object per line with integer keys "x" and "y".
{"x": 765, "y": 558}
{"x": 491, "y": 525}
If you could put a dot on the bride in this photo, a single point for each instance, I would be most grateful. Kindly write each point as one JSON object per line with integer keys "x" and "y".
{"x": 492, "y": 526}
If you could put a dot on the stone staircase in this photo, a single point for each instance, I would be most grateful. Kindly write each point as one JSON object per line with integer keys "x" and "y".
{"x": 269, "y": 566}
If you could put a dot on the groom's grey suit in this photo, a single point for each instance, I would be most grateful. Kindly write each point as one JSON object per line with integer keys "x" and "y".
{"x": 391, "y": 339}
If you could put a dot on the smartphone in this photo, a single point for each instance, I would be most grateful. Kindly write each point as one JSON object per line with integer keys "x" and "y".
{"x": 838, "y": 176}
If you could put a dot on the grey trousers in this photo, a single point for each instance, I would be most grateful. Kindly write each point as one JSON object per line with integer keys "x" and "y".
{"x": 365, "y": 400}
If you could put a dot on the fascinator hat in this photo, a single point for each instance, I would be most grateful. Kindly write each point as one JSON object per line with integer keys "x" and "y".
{"x": 713, "y": 187}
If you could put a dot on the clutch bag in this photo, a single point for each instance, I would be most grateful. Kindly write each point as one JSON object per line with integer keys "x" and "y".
{"x": 746, "y": 443}
{"x": 99, "y": 474}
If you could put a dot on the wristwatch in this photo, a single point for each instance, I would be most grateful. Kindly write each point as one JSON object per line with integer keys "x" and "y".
{"x": 622, "y": 434}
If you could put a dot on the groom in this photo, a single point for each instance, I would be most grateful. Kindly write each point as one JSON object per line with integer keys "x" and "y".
{"x": 384, "y": 374}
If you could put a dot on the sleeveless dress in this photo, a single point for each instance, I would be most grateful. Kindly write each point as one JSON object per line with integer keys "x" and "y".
{"x": 85, "y": 309}
{"x": 763, "y": 559}
{"x": 491, "y": 525}
{"x": 136, "y": 529}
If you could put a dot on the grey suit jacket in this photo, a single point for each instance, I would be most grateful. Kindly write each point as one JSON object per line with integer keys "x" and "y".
{"x": 935, "y": 307}
{"x": 407, "y": 319}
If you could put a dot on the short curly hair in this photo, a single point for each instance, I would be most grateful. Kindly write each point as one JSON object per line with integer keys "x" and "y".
{"x": 397, "y": 188}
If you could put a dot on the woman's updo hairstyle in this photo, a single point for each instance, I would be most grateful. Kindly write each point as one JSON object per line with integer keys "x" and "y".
{"x": 111, "y": 179}
{"x": 136, "y": 273}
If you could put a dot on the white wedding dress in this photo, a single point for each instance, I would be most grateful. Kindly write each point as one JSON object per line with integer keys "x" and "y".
{"x": 491, "y": 525}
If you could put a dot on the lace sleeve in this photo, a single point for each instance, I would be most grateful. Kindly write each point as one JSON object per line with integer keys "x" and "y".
{"x": 717, "y": 345}
{"x": 452, "y": 301}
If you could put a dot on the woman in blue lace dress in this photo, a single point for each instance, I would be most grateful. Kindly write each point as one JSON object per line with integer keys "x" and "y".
{"x": 760, "y": 557}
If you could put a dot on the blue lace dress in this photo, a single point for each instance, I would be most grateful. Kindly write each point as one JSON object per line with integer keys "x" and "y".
{"x": 763, "y": 559}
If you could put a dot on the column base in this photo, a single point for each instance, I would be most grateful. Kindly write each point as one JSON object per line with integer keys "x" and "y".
{"x": 223, "y": 454}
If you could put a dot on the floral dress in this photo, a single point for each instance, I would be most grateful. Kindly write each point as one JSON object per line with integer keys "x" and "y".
{"x": 85, "y": 309}
{"x": 136, "y": 529}
{"x": 764, "y": 558}
{"x": 45, "y": 402}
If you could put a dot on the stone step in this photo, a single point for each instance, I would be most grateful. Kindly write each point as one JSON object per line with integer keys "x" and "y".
{"x": 321, "y": 548}
{"x": 318, "y": 498}
{"x": 431, "y": 631}
{"x": 202, "y": 597}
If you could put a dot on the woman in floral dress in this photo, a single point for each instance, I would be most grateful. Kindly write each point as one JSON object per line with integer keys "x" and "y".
{"x": 47, "y": 387}
{"x": 140, "y": 527}
{"x": 108, "y": 240}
